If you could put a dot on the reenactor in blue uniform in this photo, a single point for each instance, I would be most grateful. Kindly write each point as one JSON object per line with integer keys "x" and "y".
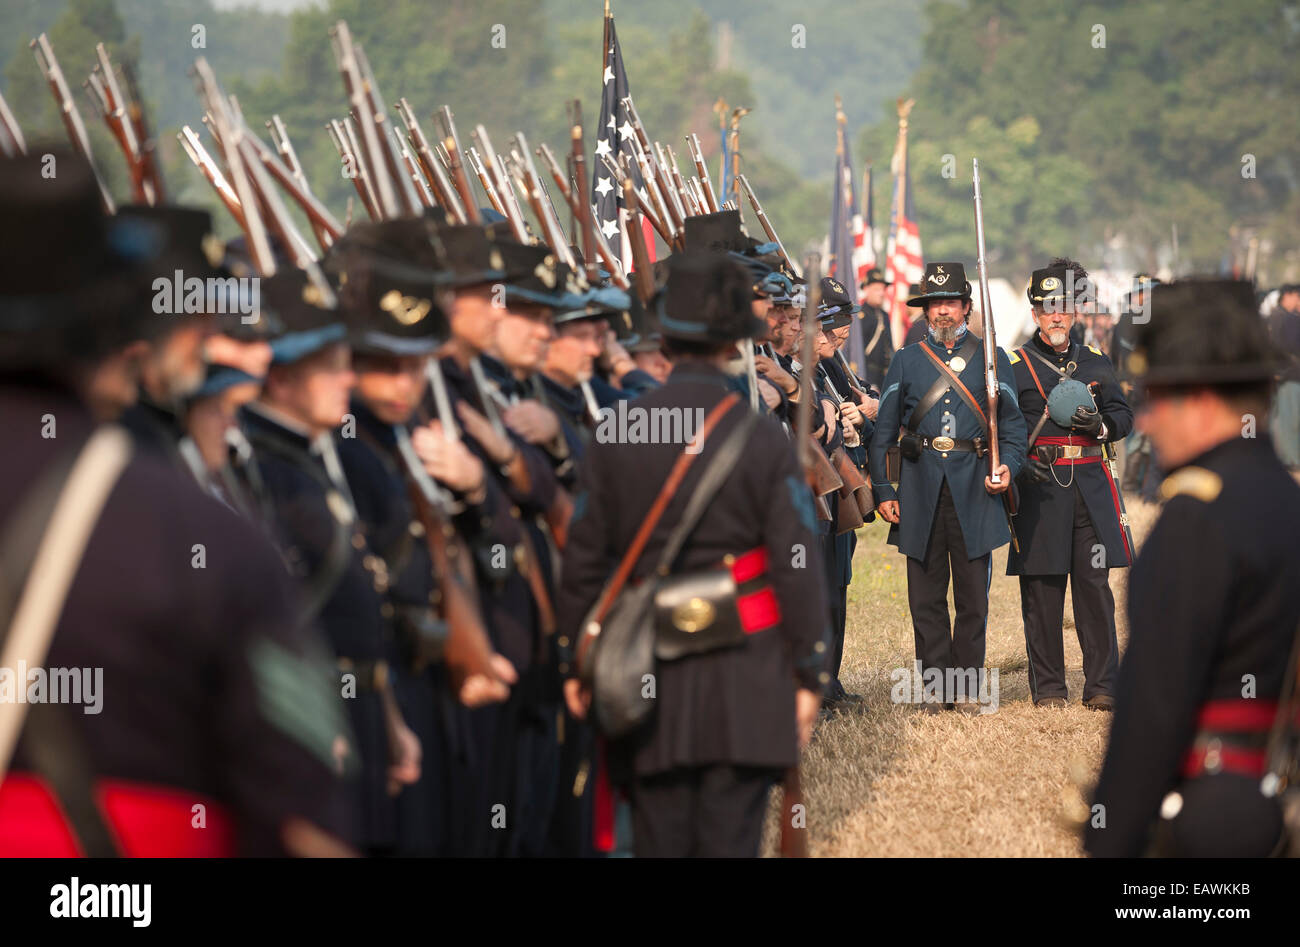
{"x": 345, "y": 582}
{"x": 218, "y": 723}
{"x": 1212, "y": 603}
{"x": 877, "y": 337}
{"x": 1071, "y": 521}
{"x": 850, "y": 431}
{"x": 948, "y": 515}
{"x": 518, "y": 736}
{"x": 741, "y": 686}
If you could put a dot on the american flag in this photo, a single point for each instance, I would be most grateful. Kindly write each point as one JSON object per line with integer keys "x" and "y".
{"x": 904, "y": 265}
{"x": 864, "y": 237}
{"x": 614, "y": 137}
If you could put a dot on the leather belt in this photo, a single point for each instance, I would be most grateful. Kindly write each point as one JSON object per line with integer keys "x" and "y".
{"x": 944, "y": 444}
{"x": 1067, "y": 450}
{"x": 371, "y": 675}
{"x": 1231, "y": 737}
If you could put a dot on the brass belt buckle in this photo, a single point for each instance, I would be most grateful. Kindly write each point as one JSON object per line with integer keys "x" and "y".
{"x": 942, "y": 443}
{"x": 1072, "y": 451}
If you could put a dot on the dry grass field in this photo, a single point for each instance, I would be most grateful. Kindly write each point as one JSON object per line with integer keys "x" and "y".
{"x": 888, "y": 780}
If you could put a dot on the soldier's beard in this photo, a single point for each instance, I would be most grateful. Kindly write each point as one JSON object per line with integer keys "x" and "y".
{"x": 1056, "y": 337}
{"x": 945, "y": 335}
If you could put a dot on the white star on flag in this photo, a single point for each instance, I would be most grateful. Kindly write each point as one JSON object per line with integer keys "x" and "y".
{"x": 625, "y": 131}
{"x": 602, "y": 149}
{"x": 609, "y": 74}
{"x": 603, "y": 186}
{"x": 609, "y": 228}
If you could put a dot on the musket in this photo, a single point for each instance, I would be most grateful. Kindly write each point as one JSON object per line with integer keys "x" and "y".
{"x": 617, "y": 173}
{"x": 580, "y": 194}
{"x": 203, "y": 161}
{"x": 990, "y": 352}
{"x": 326, "y": 227}
{"x": 766, "y": 224}
{"x": 645, "y": 283}
{"x": 372, "y": 149}
{"x": 407, "y": 199}
{"x": 111, "y": 102}
{"x": 413, "y": 169}
{"x": 434, "y": 171}
{"x": 496, "y": 172}
{"x": 489, "y": 189}
{"x": 702, "y": 172}
{"x": 76, "y": 128}
{"x": 689, "y": 207}
{"x": 569, "y": 192}
{"x": 11, "y": 135}
{"x": 540, "y": 197}
{"x": 468, "y": 650}
{"x": 150, "y": 170}
{"x": 818, "y": 472}
{"x": 451, "y": 148}
{"x": 228, "y": 137}
{"x": 678, "y": 208}
{"x": 289, "y": 157}
{"x": 344, "y": 141}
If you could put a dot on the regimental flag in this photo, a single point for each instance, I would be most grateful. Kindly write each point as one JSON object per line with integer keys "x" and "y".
{"x": 841, "y": 237}
{"x": 904, "y": 263}
{"x": 615, "y": 137}
{"x": 864, "y": 237}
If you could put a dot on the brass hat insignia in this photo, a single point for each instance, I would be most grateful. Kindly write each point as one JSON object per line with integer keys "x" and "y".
{"x": 405, "y": 309}
{"x": 1049, "y": 283}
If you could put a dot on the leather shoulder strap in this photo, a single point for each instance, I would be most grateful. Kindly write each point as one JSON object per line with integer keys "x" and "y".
{"x": 1032, "y": 374}
{"x": 666, "y": 493}
{"x": 962, "y": 391}
{"x": 941, "y": 384}
{"x": 50, "y": 532}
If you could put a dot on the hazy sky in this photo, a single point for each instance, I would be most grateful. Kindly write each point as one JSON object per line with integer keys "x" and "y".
{"x": 272, "y": 5}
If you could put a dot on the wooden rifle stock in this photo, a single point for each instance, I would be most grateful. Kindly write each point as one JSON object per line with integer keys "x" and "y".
{"x": 76, "y": 128}
{"x": 208, "y": 168}
{"x": 434, "y": 172}
{"x": 702, "y": 172}
{"x": 150, "y": 170}
{"x": 581, "y": 194}
{"x": 766, "y": 224}
{"x": 645, "y": 283}
{"x": 456, "y": 168}
{"x": 12, "y": 143}
{"x": 794, "y": 841}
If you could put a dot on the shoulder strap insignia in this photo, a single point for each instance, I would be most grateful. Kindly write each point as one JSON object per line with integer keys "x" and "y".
{"x": 1094, "y": 350}
{"x": 1204, "y": 485}
{"x": 1014, "y": 356}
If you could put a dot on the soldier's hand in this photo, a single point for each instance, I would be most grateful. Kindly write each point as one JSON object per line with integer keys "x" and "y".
{"x": 500, "y": 449}
{"x": 806, "y": 706}
{"x": 478, "y": 690}
{"x": 451, "y": 463}
{"x": 889, "y": 510}
{"x": 1088, "y": 422}
{"x": 770, "y": 369}
{"x": 870, "y": 407}
{"x": 403, "y": 756}
{"x": 850, "y": 411}
{"x": 1004, "y": 484}
{"x": 771, "y": 397}
{"x": 533, "y": 421}
{"x": 577, "y": 696}
{"x": 1035, "y": 470}
{"x": 832, "y": 421}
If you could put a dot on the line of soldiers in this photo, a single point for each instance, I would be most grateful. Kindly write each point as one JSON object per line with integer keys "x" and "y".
{"x": 348, "y": 583}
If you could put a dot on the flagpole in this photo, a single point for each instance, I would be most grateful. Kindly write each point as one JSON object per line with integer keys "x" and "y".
{"x": 900, "y": 203}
